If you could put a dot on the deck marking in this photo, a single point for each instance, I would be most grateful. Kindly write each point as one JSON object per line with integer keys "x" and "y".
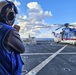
{"x": 25, "y": 54}
{"x": 35, "y": 70}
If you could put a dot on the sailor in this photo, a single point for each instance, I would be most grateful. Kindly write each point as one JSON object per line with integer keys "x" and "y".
{"x": 11, "y": 44}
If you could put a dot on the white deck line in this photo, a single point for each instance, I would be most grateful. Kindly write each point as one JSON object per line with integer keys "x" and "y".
{"x": 25, "y": 54}
{"x": 35, "y": 70}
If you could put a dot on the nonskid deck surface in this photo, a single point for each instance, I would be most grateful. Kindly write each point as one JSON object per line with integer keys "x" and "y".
{"x": 49, "y": 59}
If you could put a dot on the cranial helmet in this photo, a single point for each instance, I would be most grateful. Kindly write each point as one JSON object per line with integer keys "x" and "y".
{"x": 66, "y": 24}
{"x": 8, "y": 12}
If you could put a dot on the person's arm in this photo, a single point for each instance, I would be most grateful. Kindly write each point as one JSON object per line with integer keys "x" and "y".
{"x": 14, "y": 42}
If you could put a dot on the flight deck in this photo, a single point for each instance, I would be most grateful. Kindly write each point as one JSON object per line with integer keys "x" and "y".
{"x": 49, "y": 58}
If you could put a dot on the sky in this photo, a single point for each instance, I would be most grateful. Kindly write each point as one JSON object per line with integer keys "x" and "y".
{"x": 34, "y": 14}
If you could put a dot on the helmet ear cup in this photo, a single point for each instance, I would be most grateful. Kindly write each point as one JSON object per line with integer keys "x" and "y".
{"x": 11, "y": 16}
{"x": 1, "y": 16}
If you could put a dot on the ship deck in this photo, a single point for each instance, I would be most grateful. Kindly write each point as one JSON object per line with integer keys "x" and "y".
{"x": 49, "y": 58}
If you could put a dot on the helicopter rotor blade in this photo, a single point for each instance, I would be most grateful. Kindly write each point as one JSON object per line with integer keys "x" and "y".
{"x": 73, "y": 25}
{"x": 58, "y": 28}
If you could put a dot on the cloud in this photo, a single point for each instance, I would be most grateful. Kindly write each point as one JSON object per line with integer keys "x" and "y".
{"x": 17, "y": 3}
{"x": 36, "y": 17}
{"x": 74, "y": 23}
{"x": 36, "y": 12}
{"x": 33, "y": 5}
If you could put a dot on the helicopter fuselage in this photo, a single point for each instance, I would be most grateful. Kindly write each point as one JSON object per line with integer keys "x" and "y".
{"x": 67, "y": 35}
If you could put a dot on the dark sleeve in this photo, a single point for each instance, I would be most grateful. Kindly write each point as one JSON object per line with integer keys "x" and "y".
{"x": 14, "y": 41}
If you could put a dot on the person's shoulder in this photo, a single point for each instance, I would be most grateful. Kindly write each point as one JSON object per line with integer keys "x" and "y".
{"x": 14, "y": 33}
